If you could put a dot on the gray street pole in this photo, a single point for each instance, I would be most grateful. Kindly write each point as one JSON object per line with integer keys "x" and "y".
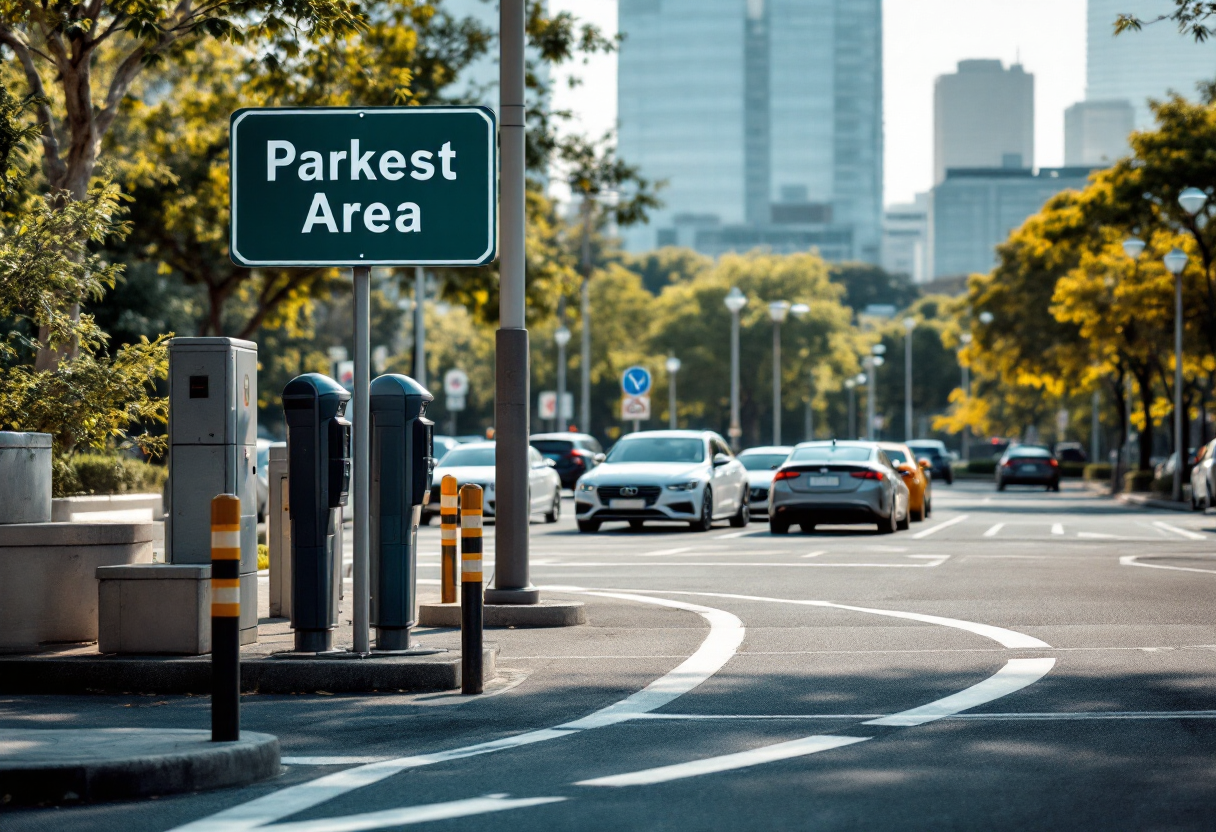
{"x": 584, "y": 300}
{"x": 909, "y": 326}
{"x": 512, "y": 584}
{"x": 808, "y": 430}
{"x": 1095, "y": 439}
{"x": 420, "y": 325}
{"x": 872, "y": 373}
{"x": 1179, "y": 438}
{"x": 852, "y": 410}
{"x": 776, "y": 383}
{"x": 673, "y": 368}
{"x": 562, "y": 337}
{"x": 362, "y": 456}
{"x": 735, "y": 430}
{"x": 965, "y": 339}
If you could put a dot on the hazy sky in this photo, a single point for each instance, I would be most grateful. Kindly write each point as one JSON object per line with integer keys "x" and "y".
{"x": 921, "y": 40}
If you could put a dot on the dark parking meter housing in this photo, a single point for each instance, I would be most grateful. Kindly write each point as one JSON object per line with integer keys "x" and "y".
{"x": 318, "y": 450}
{"x": 402, "y": 464}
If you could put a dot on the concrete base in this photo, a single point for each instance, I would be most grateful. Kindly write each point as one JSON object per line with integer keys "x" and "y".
{"x": 108, "y": 508}
{"x": 47, "y": 766}
{"x": 544, "y": 614}
{"x": 154, "y": 608}
{"x": 277, "y": 673}
{"x": 48, "y": 578}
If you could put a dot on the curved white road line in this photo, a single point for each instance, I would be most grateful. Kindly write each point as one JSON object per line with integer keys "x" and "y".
{"x": 1015, "y": 675}
{"x": 726, "y": 633}
{"x": 1130, "y": 560}
{"x": 409, "y": 815}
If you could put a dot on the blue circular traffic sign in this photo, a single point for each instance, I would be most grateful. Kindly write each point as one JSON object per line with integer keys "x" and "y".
{"x": 636, "y": 381}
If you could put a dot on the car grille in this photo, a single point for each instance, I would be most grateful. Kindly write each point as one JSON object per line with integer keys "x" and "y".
{"x": 758, "y": 494}
{"x": 650, "y": 493}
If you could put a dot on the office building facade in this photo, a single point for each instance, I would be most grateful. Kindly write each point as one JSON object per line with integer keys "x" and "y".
{"x": 983, "y": 117}
{"x": 764, "y": 117}
{"x": 905, "y": 239}
{"x": 1137, "y": 66}
{"x": 973, "y": 211}
{"x": 1096, "y": 132}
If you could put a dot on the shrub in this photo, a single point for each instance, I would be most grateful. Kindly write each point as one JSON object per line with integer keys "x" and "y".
{"x": 1097, "y": 471}
{"x": 1075, "y": 469}
{"x": 981, "y": 466}
{"x": 1138, "y": 481}
{"x": 105, "y": 474}
{"x": 263, "y": 556}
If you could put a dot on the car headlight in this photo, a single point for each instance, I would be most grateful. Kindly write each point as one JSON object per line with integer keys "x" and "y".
{"x": 586, "y": 487}
{"x": 691, "y": 485}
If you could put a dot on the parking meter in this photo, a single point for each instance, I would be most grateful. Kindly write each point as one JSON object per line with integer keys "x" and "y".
{"x": 401, "y": 465}
{"x": 318, "y": 449}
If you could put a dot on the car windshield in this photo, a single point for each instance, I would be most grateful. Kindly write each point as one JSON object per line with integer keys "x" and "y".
{"x": 762, "y": 462}
{"x": 831, "y": 453}
{"x": 658, "y": 449}
{"x": 554, "y": 449}
{"x": 468, "y": 457}
{"x": 1027, "y": 451}
{"x": 926, "y": 450}
{"x": 896, "y": 456}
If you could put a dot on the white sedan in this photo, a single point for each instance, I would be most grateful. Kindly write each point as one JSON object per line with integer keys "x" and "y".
{"x": 473, "y": 463}
{"x": 664, "y": 475}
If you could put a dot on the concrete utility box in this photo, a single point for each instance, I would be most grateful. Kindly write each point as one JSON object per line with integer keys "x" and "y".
{"x": 25, "y": 477}
{"x": 154, "y": 608}
{"x": 213, "y": 428}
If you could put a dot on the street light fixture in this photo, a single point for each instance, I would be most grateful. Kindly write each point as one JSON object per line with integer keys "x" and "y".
{"x": 735, "y": 301}
{"x": 562, "y": 337}
{"x": 1133, "y": 247}
{"x": 673, "y": 367}
{"x": 777, "y": 310}
{"x": 987, "y": 318}
{"x": 1192, "y": 200}
{"x": 1175, "y": 262}
{"x": 909, "y": 326}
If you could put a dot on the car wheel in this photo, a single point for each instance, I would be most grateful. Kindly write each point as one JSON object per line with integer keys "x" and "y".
{"x": 888, "y": 525}
{"x": 706, "y": 521}
{"x": 778, "y": 527}
{"x": 637, "y": 525}
{"x": 588, "y": 526}
{"x": 424, "y": 520}
{"x": 743, "y": 516}
{"x": 928, "y": 509}
{"x": 1000, "y": 486}
{"x": 919, "y": 515}
{"x": 902, "y": 525}
{"x": 555, "y": 512}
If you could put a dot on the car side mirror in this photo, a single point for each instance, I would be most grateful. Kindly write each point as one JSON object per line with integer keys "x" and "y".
{"x": 550, "y": 463}
{"x": 925, "y": 464}
{"x": 599, "y": 458}
{"x": 720, "y": 460}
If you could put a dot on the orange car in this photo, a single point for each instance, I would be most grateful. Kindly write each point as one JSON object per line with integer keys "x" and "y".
{"x": 916, "y": 476}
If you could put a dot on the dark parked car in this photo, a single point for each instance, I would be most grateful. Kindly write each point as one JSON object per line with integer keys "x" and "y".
{"x": 1071, "y": 452}
{"x": 939, "y": 458}
{"x": 574, "y": 454}
{"x": 1028, "y": 465}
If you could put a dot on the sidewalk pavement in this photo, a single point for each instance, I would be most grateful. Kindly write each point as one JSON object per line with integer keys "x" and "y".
{"x": 50, "y": 766}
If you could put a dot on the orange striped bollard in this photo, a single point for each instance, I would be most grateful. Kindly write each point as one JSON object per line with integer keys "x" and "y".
{"x": 470, "y": 589}
{"x": 225, "y": 618}
{"x": 447, "y": 538}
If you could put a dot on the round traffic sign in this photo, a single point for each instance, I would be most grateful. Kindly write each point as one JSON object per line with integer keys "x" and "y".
{"x": 636, "y": 381}
{"x": 455, "y": 383}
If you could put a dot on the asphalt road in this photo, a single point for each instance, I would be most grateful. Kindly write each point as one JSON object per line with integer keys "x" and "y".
{"x": 1020, "y": 660}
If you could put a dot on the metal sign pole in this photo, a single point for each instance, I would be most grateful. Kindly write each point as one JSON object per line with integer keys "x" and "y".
{"x": 362, "y": 458}
{"x": 512, "y": 584}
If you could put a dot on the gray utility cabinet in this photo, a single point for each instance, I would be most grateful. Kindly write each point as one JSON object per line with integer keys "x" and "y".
{"x": 213, "y": 428}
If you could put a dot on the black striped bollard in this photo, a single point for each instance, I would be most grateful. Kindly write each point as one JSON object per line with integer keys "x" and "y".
{"x": 447, "y": 538}
{"x": 470, "y": 589}
{"x": 225, "y": 618}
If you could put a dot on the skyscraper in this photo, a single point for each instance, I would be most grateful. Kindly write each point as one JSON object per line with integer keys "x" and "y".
{"x": 1095, "y": 132}
{"x": 763, "y": 116}
{"x": 1137, "y": 66}
{"x": 983, "y": 117}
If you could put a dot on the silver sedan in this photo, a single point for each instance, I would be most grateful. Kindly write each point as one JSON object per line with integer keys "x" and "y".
{"x": 837, "y": 483}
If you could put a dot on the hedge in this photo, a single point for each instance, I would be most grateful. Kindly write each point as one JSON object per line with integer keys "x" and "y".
{"x": 105, "y": 474}
{"x": 981, "y": 466}
{"x": 1097, "y": 471}
{"x": 1138, "y": 481}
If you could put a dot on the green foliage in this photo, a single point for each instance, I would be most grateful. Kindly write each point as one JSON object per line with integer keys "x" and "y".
{"x": 1139, "y": 481}
{"x": 1072, "y": 470}
{"x": 666, "y": 267}
{"x": 865, "y": 284}
{"x": 1097, "y": 472}
{"x": 105, "y": 473}
{"x": 987, "y": 467}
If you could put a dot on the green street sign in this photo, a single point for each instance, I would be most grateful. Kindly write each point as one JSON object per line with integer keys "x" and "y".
{"x": 363, "y": 186}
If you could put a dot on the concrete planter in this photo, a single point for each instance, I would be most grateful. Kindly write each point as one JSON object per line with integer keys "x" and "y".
{"x": 109, "y": 508}
{"x": 25, "y": 477}
{"x": 48, "y": 578}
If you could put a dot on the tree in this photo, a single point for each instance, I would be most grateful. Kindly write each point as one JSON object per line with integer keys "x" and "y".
{"x": 866, "y": 284}
{"x": 666, "y": 266}
{"x": 1190, "y": 16}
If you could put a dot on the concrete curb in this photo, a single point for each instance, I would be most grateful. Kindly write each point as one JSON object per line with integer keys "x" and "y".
{"x": 544, "y": 614}
{"x": 279, "y": 673}
{"x": 49, "y": 766}
{"x": 1151, "y": 502}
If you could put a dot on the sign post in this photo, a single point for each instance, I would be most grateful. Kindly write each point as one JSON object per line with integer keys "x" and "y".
{"x": 362, "y": 187}
{"x": 635, "y": 398}
{"x": 455, "y": 388}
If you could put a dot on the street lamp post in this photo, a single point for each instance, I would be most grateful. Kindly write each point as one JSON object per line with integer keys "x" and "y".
{"x": 872, "y": 363}
{"x": 562, "y": 337}
{"x": 777, "y": 310}
{"x": 965, "y": 339}
{"x": 1175, "y": 262}
{"x": 673, "y": 367}
{"x": 909, "y": 326}
{"x": 735, "y": 301}
{"x": 850, "y": 384}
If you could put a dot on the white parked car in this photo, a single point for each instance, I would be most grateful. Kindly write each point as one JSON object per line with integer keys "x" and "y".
{"x": 473, "y": 463}
{"x": 761, "y": 463}
{"x": 664, "y": 475}
{"x": 1203, "y": 478}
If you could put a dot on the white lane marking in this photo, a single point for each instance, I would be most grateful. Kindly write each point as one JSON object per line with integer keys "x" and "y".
{"x": 699, "y": 564}
{"x": 726, "y": 633}
{"x": 816, "y": 554}
{"x": 1015, "y": 675}
{"x": 730, "y": 535}
{"x": 939, "y": 527}
{"x": 1071, "y": 716}
{"x": 1098, "y": 536}
{"x": 992, "y": 532}
{"x": 1187, "y": 533}
{"x": 408, "y": 815}
{"x": 1004, "y": 637}
{"x": 726, "y": 762}
{"x": 674, "y": 551}
{"x": 1057, "y": 528}
{"x": 1130, "y": 560}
